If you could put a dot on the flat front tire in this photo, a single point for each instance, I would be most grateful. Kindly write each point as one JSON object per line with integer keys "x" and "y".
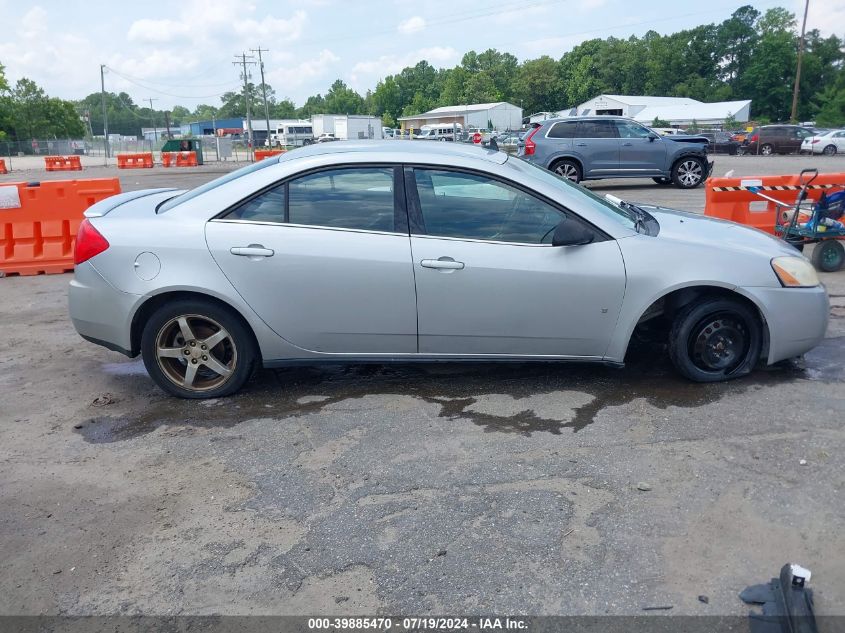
{"x": 197, "y": 349}
{"x": 689, "y": 172}
{"x": 715, "y": 339}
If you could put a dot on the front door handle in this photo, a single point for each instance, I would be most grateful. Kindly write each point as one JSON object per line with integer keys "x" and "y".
{"x": 443, "y": 263}
{"x": 581, "y": 144}
{"x": 253, "y": 250}
{"x": 627, "y": 144}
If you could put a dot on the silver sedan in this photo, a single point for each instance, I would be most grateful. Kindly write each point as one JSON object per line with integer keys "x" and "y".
{"x": 385, "y": 251}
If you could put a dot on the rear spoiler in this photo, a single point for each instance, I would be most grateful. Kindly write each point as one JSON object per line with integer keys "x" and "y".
{"x": 103, "y": 207}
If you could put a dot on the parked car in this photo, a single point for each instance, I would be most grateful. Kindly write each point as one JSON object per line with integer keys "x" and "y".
{"x": 589, "y": 148}
{"x": 326, "y": 137}
{"x": 775, "y": 139}
{"x": 668, "y": 131}
{"x": 829, "y": 143}
{"x": 379, "y": 251}
{"x": 721, "y": 143}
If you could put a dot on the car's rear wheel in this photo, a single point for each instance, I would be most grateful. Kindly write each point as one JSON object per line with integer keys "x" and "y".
{"x": 830, "y": 150}
{"x": 197, "y": 349}
{"x": 766, "y": 149}
{"x": 662, "y": 180}
{"x": 715, "y": 339}
{"x": 567, "y": 169}
{"x": 688, "y": 172}
{"x": 828, "y": 256}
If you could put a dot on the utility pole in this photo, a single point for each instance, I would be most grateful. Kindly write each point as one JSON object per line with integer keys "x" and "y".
{"x": 166, "y": 133}
{"x": 105, "y": 117}
{"x": 153, "y": 117}
{"x": 260, "y": 50}
{"x": 246, "y": 77}
{"x": 798, "y": 68}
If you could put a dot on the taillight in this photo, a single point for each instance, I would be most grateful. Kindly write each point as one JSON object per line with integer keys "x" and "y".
{"x": 815, "y": 140}
{"x": 755, "y": 138}
{"x": 530, "y": 146}
{"x": 89, "y": 242}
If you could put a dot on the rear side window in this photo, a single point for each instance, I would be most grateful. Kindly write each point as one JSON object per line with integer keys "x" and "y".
{"x": 354, "y": 198}
{"x": 564, "y": 129}
{"x": 596, "y": 129}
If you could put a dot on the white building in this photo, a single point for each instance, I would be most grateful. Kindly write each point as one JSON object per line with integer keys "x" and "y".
{"x": 675, "y": 110}
{"x": 348, "y": 126}
{"x": 502, "y": 115}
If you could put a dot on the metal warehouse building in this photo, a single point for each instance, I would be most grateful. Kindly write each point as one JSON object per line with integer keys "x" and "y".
{"x": 503, "y": 116}
{"x": 675, "y": 110}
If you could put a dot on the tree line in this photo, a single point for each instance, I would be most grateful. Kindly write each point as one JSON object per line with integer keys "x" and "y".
{"x": 751, "y": 55}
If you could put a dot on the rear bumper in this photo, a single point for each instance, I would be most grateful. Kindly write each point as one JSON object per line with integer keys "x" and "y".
{"x": 99, "y": 312}
{"x": 796, "y": 318}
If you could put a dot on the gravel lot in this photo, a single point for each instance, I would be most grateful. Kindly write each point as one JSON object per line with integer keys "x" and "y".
{"x": 412, "y": 489}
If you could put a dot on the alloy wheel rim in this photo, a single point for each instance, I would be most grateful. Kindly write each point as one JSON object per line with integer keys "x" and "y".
{"x": 719, "y": 343}
{"x": 195, "y": 352}
{"x": 689, "y": 173}
{"x": 766, "y": 150}
{"x": 567, "y": 171}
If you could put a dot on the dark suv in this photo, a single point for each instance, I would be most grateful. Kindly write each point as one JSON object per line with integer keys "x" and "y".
{"x": 775, "y": 139}
{"x": 590, "y": 148}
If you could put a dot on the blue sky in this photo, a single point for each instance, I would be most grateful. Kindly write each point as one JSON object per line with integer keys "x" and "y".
{"x": 182, "y": 54}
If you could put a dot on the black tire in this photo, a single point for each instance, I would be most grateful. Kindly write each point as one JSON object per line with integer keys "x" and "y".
{"x": 767, "y": 149}
{"x": 715, "y": 339}
{"x": 662, "y": 181}
{"x": 797, "y": 245}
{"x": 828, "y": 256}
{"x": 568, "y": 169}
{"x": 689, "y": 172}
{"x": 830, "y": 150}
{"x": 236, "y": 352}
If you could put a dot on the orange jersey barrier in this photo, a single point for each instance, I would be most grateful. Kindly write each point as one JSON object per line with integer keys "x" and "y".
{"x": 143, "y": 160}
{"x": 179, "y": 159}
{"x": 734, "y": 198}
{"x": 3, "y": 168}
{"x": 261, "y": 154}
{"x": 62, "y": 163}
{"x": 39, "y": 221}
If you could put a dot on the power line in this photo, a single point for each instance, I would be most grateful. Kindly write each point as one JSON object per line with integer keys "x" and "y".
{"x": 169, "y": 94}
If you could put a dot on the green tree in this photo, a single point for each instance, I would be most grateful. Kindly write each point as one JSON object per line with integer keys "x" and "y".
{"x": 538, "y": 86}
{"x": 341, "y": 99}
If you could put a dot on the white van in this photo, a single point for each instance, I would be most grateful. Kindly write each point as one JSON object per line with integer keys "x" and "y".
{"x": 293, "y": 135}
{"x": 442, "y": 132}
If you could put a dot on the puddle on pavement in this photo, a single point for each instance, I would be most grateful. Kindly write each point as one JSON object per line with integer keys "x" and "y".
{"x": 455, "y": 388}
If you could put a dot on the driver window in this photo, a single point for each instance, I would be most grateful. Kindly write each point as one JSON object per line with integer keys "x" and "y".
{"x": 631, "y": 130}
{"x": 354, "y": 198}
{"x": 470, "y": 206}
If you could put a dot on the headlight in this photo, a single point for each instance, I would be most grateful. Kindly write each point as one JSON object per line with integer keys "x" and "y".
{"x": 795, "y": 272}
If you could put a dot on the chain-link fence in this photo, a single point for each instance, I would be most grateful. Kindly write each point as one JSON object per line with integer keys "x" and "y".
{"x": 213, "y": 149}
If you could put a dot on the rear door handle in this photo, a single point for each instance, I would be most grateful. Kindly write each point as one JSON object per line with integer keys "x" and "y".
{"x": 581, "y": 144}
{"x": 444, "y": 263}
{"x": 253, "y": 250}
{"x": 627, "y": 144}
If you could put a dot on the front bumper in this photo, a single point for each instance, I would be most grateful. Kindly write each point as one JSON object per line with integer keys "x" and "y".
{"x": 796, "y": 318}
{"x": 100, "y": 312}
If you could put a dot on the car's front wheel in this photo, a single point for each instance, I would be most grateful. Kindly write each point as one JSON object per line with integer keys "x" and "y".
{"x": 567, "y": 169}
{"x": 715, "y": 339}
{"x": 197, "y": 349}
{"x": 688, "y": 172}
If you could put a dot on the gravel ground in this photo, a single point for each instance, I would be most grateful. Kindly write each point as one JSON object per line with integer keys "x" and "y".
{"x": 524, "y": 489}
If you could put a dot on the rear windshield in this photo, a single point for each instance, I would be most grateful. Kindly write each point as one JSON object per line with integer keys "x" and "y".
{"x": 213, "y": 184}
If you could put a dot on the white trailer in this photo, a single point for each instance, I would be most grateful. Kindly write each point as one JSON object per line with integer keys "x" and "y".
{"x": 348, "y": 127}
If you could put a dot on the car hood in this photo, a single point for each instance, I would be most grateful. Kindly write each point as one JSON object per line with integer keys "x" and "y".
{"x": 694, "y": 228}
{"x": 686, "y": 138}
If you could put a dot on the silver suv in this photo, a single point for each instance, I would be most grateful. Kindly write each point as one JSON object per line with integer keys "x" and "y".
{"x": 590, "y": 148}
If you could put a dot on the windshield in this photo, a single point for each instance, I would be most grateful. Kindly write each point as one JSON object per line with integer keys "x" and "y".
{"x": 213, "y": 184}
{"x": 603, "y": 206}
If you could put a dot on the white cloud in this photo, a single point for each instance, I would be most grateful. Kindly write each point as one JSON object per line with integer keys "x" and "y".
{"x": 392, "y": 64}
{"x": 828, "y": 17}
{"x": 411, "y": 25}
{"x": 292, "y": 75}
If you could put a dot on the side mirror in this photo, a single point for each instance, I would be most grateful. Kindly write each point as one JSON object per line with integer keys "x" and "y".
{"x": 569, "y": 233}
{"x": 653, "y": 137}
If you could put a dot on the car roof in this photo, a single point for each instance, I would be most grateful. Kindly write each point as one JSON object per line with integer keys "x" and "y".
{"x": 400, "y": 151}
